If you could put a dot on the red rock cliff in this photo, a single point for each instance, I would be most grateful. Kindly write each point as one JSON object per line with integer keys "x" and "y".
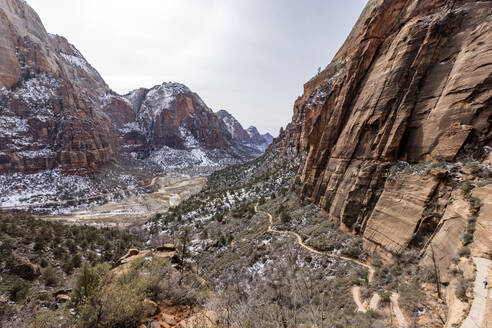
{"x": 412, "y": 82}
{"x": 49, "y": 113}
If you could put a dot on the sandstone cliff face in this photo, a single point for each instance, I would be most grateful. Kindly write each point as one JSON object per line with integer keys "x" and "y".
{"x": 411, "y": 83}
{"x": 167, "y": 115}
{"x": 48, "y": 100}
{"x": 249, "y": 137}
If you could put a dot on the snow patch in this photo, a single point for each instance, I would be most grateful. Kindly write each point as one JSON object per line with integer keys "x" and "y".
{"x": 76, "y": 61}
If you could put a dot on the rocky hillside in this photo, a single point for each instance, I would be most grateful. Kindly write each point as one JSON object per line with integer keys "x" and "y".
{"x": 396, "y": 130}
{"x": 250, "y": 137}
{"x": 56, "y": 110}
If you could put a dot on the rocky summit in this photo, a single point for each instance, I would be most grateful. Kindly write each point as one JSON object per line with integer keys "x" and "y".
{"x": 48, "y": 100}
{"x": 249, "y": 137}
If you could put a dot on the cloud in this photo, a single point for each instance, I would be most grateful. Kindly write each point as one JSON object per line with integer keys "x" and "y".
{"x": 249, "y": 57}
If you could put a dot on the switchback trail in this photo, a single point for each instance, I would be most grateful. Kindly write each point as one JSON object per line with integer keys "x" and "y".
{"x": 373, "y": 304}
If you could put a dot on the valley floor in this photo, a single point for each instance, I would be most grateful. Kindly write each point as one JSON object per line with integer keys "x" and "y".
{"x": 165, "y": 192}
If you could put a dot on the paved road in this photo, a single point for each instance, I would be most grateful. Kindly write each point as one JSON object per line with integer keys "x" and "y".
{"x": 481, "y": 295}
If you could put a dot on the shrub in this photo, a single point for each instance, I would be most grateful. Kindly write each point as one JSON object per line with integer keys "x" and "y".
{"x": 76, "y": 261}
{"x": 6, "y": 310}
{"x": 461, "y": 289}
{"x": 87, "y": 282}
{"x": 353, "y": 248}
{"x": 385, "y": 296}
{"x": 102, "y": 301}
{"x": 411, "y": 297}
{"x": 464, "y": 252}
{"x": 376, "y": 260}
{"x": 467, "y": 238}
{"x": 67, "y": 266}
{"x": 49, "y": 276}
{"x": 50, "y": 319}
{"x": 285, "y": 217}
{"x": 18, "y": 291}
{"x": 427, "y": 273}
{"x": 113, "y": 304}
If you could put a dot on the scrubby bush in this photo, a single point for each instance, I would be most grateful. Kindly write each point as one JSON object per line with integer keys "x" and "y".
{"x": 427, "y": 273}
{"x": 461, "y": 289}
{"x": 376, "y": 260}
{"x": 464, "y": 252}
{"x": 49, "y": 276}
{"x": 18, "y": 290}
{"x": 353, "y": 248}
{"x": 51, "y": 319}
{"x": 100, "y": 300}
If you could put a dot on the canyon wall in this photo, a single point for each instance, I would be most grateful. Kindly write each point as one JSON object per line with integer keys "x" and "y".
{"x": 412, "y": 83}
{"x": 48, "y": 92}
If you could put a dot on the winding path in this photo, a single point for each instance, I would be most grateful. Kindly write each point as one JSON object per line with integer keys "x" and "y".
{"x": 481, "y": 295}
{"x": 313, "y": 250}
{"x": 374, "y": 302}
{"x": 400, "y": 318}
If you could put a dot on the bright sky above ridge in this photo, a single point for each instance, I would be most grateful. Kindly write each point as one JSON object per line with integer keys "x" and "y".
{"x": 250, "y": 57}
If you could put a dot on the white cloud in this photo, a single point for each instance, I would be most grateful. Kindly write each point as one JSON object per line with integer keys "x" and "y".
{"x": 250, "y": 57}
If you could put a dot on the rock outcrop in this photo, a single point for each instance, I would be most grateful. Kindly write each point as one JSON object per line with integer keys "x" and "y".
{"x": 25, "y": 269}
{"x": 412, "y": 83}
{"x": 249, "y": 138}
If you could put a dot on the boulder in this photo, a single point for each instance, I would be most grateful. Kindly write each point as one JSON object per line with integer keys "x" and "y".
{"x": 166, "y": 248}
{"x": 25, "y": 269}
{"x": 131, "y": 252}
{"x": 155, "y": 324}
{"x": 62, "y": 298}
{"x": 205, "y": 319}
{"x": 439, "y": 172}
{"x": 150, "y": 308}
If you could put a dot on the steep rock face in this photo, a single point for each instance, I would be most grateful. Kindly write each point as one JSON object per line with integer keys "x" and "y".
{"x": 411, "y": 83}
{"x": 48, "y": 100}
{"x": 257, "y": 140}
{"x": 167, "y": 115}
{"x": 238, "y": 133}
{"x": 250, "y": 137}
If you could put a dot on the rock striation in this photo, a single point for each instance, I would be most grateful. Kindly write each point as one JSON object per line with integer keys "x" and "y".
{"x": 48, "y": 100}
{"x": 412, "y": 83}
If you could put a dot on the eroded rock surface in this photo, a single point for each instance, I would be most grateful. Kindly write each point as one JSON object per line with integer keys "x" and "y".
{"x": 411, "y": 83}
{"x": 48, "y": 100}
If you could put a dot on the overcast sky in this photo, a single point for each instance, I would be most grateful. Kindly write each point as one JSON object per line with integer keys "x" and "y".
{"x": 250, "y": 57}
